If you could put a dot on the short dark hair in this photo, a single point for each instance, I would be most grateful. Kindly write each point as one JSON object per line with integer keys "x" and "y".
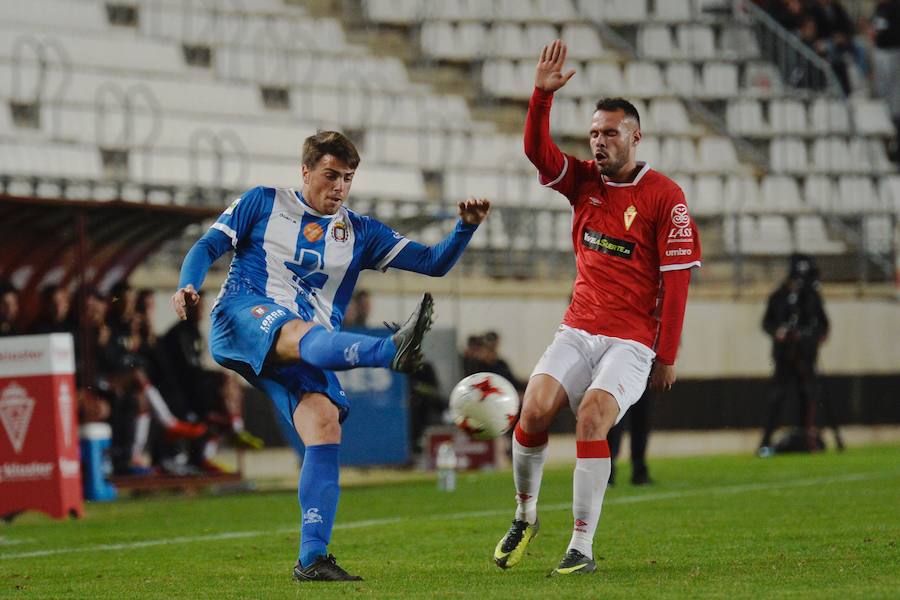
{"x": 329, "y": 142}
{"x": 614, "y": 104}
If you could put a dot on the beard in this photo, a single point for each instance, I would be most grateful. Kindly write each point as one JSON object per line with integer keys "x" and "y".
{"x": 611, "y": 167}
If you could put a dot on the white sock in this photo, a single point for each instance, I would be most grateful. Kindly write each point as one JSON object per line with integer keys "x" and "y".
{"x": 589, "y": 483}
{"x": 159, "y": 407}
{"x": 211, "y": 447}
{"x": 528, "y": 469}
{"x": 141, "y": 434}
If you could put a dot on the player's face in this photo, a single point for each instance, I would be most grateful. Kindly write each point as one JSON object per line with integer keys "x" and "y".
{"x": 614, "y": 139}
{"x": 327, "y": 185}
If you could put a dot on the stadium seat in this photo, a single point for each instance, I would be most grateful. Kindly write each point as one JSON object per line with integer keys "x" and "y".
{"x": 788, "y": 116}
{"x": 54, "y": 14}
{"x": 708, "y": 196}
{"x": 554, "y": 11}
{"x": 673, "y": 11}
{"x": 745, "y": 117}
{"x": 788, "y": 155}
{"x": 679, "y": 154}
{"x": 537, "y": 35}
{"x": 649, "y": 151}
{"x": 780, "y": 194}
{"x": 889, "y": 192}
{"x": 738, "y": 42}
{"x": 643, "y": 79}
{"x": 720, "y": 80}
{"x": 820, "y": 194}
{"x": 741, "y": 194}
{"x": 829, "y": 116}
{"x": 669, "y": 116}
{"x": 773, "y": 236}
{"x": 583, "y": 41}
{"x": 811, "y": 236}
{"x": 655, "y": 41}
{"x": 869, "y": 155}
{"x": 857, "y": 194}
{"x": 878, "y": 234}
{"x": 830, "y": 155}
{"x": 871, "y": 117}
{"x": 615, "y": 12}
{"x": 501, "y": 78}
{"x": 681, "y": 79}
{"x": 563, "y": 237}
{"x": 605, "y": 78}
{"x": 717, "y": 154}
{"x": 507, "y": 40}
{"x": 514, "y": 10}
{"x": 762, "y": 80}
{"x": 697, "y": 42}
{"x": 686, "y": 183}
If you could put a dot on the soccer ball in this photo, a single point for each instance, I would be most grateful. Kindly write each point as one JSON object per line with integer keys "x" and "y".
{"x": 484, "y": 405}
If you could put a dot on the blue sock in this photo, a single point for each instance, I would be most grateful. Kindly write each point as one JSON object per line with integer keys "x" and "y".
{"x": 318, "y": 493}
{"x": 340, "y": 351}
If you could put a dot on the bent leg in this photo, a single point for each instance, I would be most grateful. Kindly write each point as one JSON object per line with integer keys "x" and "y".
{"x": 317, "y": 421}
{"x": 332, "y": 350}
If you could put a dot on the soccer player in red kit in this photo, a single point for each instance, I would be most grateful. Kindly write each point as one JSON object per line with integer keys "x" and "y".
{"x": 635, "y": 245}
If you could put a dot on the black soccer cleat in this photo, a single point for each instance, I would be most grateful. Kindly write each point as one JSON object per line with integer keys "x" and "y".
{"x": 574, "y": 562}
{"x": 511, "y": 548}
{"x": 408, "y": 337}
{"x": 324, "y": 569}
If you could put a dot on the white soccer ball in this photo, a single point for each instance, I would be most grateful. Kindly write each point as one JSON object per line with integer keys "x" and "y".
{"x": 484, "y": 405}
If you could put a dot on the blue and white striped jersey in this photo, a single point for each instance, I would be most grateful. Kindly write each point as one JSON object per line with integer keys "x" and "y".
{"x": 305, "y": 261}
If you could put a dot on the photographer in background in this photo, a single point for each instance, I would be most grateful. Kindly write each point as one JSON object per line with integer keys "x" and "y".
{"x": 795, "y": 318}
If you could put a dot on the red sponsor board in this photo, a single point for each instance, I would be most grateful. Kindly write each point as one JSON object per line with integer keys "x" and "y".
{"x": 471, "y": 454}
{"x": 39, "y": 456}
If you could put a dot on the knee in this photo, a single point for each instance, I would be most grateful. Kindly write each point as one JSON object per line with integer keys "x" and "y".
{"x": 532, "y": 419}
{"x": 596, "y": 415}
{"x": 287, "y": 345}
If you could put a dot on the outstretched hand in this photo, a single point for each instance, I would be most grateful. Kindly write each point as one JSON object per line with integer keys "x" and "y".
{"x": 474, "y": 210}
{"x": 548, "y": 75}
{"x": 186, "y": 296}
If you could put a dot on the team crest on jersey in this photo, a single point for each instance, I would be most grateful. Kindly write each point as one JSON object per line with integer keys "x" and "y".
{"x": 630, "y": 214}
{"x": 259, "y": 311}
{"x": 313, "y": 232}
{"x": 339, "y": 231}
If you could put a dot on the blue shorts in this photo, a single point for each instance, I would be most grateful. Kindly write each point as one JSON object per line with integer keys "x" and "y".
{"x": 244, "y": 327}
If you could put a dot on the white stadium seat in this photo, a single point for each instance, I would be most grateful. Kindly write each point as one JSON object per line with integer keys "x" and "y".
{"x": 788, "y": 155}
{"x": 507, "y": 40}
{"x": 605, "y": 78}
{"x": 820, "y": 194}
{"x": 669, "y": 116}
{"x": 697, "y": 42}
{"x": 741, "y": 194}
{"x": 681, "y": 79}
{"x": 583, "y": 41}
{"x": 655, "y": 41}
{"x": 745, "y": 117}
{"x": 871, "y": 117}
{"x": 788, "y": 116}
{"x": 762, "y": 80}
{"x": 780, "y": 194}
{"x": 717, "y": 154}
{"x": 643, "y": 79}
{"x": 673, "y": 11}
{"x": 878, "y": 233}
{"x": 829, "y": 116}
{"x": 830, "y": 155}
{"x": 720, "y": 80}
{"x": 857, "y": 194}
{"x": 708, "y": 196}
{"x": 889, "y": 192}
{"x": 811, "y": 237}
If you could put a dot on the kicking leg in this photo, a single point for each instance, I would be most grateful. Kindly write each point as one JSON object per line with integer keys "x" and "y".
{"x": 339, "y": 351}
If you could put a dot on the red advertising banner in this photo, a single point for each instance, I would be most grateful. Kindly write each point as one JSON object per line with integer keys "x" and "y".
{"x": 39, "y": 455}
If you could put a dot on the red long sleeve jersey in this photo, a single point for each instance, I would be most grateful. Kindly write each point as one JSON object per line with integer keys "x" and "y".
{"x": 624, "y": 236}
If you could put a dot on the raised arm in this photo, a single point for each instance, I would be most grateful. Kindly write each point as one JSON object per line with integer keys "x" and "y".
{"x": 437, "y": 260}
{"x": 539, "y": 146}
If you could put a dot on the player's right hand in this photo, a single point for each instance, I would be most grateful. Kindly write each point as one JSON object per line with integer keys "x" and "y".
{"x": 548, "y": 75}
{"x": 184, "y": 297}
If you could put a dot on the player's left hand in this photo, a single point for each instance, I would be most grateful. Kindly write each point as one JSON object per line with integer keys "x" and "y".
{"x": 474, "y": 210}
{"x": 662, "y": 377}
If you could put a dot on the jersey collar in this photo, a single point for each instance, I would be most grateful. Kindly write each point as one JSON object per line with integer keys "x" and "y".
{"x": 637, "y": 178}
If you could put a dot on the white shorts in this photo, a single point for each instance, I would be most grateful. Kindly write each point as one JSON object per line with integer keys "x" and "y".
{"x": 581, "y": 362}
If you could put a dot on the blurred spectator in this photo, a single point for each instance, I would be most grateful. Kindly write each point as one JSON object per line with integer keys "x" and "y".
{"x": 637, "y": 419}
{"x": 493, "y": 363}
{"x": 885, "y": 29}
{"x": 837, "y": 31}
{"x": 9, "y": 309}
{"x": 358, "y": 310}
{"x": 474, "y": 358}
{"x": 54, "y": 315}
{"x": 426, "y": 404}
{"x": 795, "y": 318}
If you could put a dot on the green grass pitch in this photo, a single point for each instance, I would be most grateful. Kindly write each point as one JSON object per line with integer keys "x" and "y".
{"x": 820, "y": 526}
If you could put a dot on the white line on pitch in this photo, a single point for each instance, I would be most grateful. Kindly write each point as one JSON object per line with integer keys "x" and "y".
{"x": 730, "y": 489}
